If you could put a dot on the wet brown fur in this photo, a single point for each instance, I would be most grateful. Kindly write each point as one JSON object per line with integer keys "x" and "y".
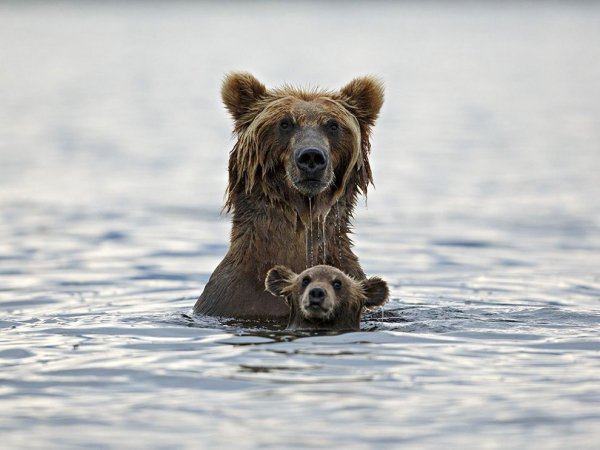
{"x": 271, "y": 218}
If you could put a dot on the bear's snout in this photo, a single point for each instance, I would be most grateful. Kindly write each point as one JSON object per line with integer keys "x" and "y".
{"x": 310, "y": 170}
{"x": 316, "y": 297}
{"x": 312, "y": 162}
{"x": 317, "y": 302}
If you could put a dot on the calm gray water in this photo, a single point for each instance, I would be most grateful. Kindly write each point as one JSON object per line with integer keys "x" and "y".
{"x": 485, "y": 221}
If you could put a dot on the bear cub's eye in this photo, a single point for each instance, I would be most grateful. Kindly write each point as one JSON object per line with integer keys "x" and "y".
{"x": 337, "y": 285}
{"x": 305, "y": 281}
{"x": 286, "y": 124}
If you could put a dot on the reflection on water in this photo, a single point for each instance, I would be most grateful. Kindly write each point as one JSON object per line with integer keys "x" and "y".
{"x": 485, "y": 222}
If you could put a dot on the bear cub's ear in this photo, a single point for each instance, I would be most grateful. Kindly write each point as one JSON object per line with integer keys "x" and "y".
{"x": 240, "y": 91}
{"x": 376, "y": 290}
{"x": 365, "y": 97}
{"x": 277, "y": 279}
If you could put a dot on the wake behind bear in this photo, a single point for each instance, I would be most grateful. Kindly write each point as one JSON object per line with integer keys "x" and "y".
{"x": 325, "y": 298}
{"x": 300, "y": 160}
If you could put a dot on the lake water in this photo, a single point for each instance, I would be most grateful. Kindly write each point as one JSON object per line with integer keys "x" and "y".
{"x": 485, "y": 221}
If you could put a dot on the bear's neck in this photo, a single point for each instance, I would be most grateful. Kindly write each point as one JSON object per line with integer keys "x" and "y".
{"x": 298, "y": 234}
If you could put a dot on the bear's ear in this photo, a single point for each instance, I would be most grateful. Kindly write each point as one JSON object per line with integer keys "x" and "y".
{"x": 240, "y": 92}
{"x": 277, "y": 279}
{"x": 365, "y": 97}
{"x": 376, "y": 290}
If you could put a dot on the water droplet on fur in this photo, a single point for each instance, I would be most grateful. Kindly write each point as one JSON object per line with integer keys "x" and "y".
{"x": 324, "y": 240}
{"x": 318, "y": 237}
{"x": 315, "y": 246}
{"x": 338, "y": 228}
{"x": 306, "y": 244}
{"x": 310, "y": 244}
{"x": 323, "y": 233}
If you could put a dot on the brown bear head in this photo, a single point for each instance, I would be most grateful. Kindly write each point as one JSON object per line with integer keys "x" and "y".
{"x": 294, "y": 142}
{"x": 323, "y": 297}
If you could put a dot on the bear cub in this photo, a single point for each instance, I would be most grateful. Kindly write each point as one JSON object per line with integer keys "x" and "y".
{"x": 325, "y": 298}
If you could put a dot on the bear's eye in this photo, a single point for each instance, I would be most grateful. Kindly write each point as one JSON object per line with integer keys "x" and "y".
{"x": 333, "y": 126}
{"x": 337, "y": 285}
{"x": 305, "y": 281}
{"x": 286, "y": 124}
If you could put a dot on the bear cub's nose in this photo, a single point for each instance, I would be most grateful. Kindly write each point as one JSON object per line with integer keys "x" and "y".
{"x": 311, "y": 160}
{"x": 316, "y": 296}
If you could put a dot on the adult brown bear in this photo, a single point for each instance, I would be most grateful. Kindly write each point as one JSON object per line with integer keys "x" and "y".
{"x": 299, "y": 163}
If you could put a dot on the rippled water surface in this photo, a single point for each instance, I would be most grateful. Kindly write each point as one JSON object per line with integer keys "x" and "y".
{"x": 485, "y": 221}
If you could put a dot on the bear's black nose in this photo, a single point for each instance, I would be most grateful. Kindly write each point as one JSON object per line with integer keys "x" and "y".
{"x": 316, "y": 296}
{"x": 311, "y": 161}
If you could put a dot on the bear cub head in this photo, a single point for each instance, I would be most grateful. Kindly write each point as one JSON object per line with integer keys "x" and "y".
{"x": 325, "y": 298}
